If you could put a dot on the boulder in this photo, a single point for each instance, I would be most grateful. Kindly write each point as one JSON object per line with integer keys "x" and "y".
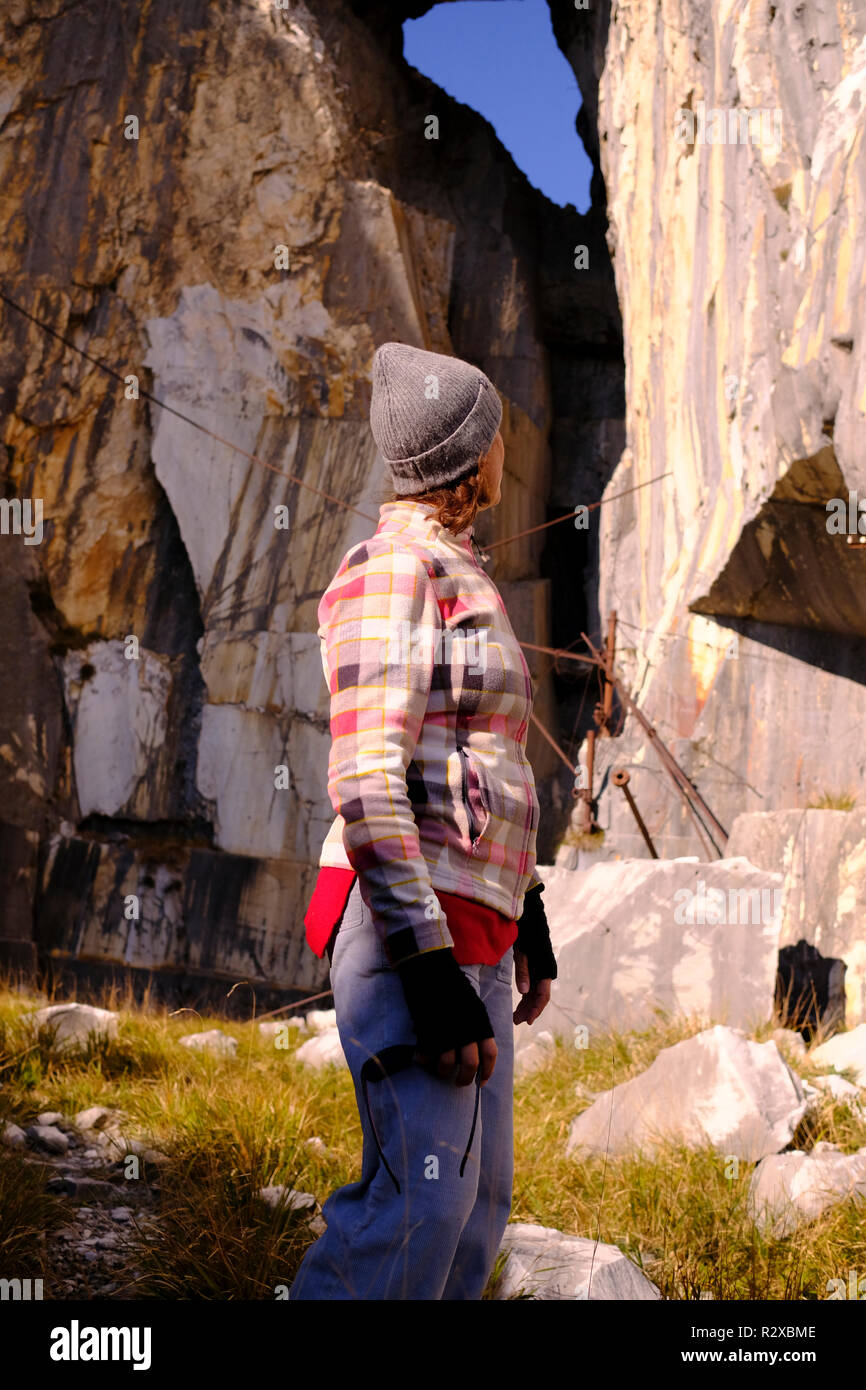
{"x": 74, "y": 1025}
{"x": 156, "y": 1156}
{"x": 320, "y": 1019}
{"x": 13, "y": 1137}
{"x": 717, "y": 1088}
{"x": 549, "y": 1264}
{"x": 288, "y": 1199}
{"x": 212, "y": 1040}
{"x": 325, "y": 1049}
{"x": 791, "y": 1042}
{"x": 787, "y": 1190}
{"x": 317, "y": 1146}
{"x": 271, "y": 1028}
{"x": 843, "y": 1051}
{"x": 105, "y": 1131}
{"x": 49, "y": 1138}
{"x": 98, "y": 1117}
{"x": 279, "y": 1195}
{"x": 841, "y": 1090}
{"x": 631, "y": 936}
{"x": 49, "y": 1117}
{"x": 537, "y": 1054}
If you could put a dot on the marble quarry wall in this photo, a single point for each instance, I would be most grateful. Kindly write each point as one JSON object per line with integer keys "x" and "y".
{"x": 231, "y": 205}
{"x": 733, "y": 150}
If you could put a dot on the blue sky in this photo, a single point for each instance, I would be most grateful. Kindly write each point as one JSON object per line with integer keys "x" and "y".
{"x": 500, "y": 57}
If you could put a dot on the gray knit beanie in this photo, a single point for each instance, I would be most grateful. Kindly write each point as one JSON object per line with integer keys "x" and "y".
{"x": 432, "y": 416}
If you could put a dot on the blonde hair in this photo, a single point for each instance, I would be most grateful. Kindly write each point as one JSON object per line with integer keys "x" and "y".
{"x": 456, "y": 505}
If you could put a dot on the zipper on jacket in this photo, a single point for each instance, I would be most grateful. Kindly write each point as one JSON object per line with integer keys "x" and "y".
{"x": 473, "y": 824}
{"x": 475, "y": 552}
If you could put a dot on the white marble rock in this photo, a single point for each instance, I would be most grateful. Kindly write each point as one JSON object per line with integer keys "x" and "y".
{"x": 550, "y": 1264}
{"x": 74, "y": 1024}
{"x": 628, "y": 939}
{"x": 325, "y": 1049}
{"x": 843, "y": 1051}
{"x": 716, "y": 1088}
{"x": 788, "y": 1190}
{"x": 211, "y": 1040}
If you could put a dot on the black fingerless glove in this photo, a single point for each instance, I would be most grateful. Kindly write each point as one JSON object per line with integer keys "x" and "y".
{"x": 533, "y": 937}
{"x": 445, "y": 1010}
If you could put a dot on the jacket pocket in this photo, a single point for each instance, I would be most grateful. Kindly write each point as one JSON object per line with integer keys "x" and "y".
{"x": 505, "y": 968}
{"x": 474, "y": 798}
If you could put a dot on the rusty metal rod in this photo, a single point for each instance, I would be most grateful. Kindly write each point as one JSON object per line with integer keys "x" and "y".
{"x": 689, "y": 790}
{"x": 608, "y": 672}
{"x": 669, "y": 762}
{"x": 561, "y": 652}
{"x": 621, "y": 779}
{"x": 551, "y": 740}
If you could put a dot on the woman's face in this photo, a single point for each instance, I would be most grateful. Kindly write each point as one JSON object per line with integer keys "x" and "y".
{"x": 491, "y": 465}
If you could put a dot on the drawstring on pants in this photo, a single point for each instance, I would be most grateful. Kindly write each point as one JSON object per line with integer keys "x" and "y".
{"x": 386, "y": 1063}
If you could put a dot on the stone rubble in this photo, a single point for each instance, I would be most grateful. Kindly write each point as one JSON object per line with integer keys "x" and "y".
{"x": 88, "y": 1257}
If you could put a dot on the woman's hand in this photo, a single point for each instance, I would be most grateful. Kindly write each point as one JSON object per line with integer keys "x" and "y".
{"x": 468, "y": 1064}
{"x": 535, "y": 997}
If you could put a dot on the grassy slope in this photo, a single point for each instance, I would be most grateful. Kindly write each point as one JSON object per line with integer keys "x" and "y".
{"x": 231, "y": 1126}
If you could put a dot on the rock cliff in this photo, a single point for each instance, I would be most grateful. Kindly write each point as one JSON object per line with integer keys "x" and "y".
{"x": 230, "y": 205}
{"x": 732, "y": 149}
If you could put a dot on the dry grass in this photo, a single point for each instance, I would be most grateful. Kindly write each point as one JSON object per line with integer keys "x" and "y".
{"x": 833, "y": 801}
{"x": 676, "y": 1213}
{"x": 589, "y": 840}
{"x": 232, "y": 1126}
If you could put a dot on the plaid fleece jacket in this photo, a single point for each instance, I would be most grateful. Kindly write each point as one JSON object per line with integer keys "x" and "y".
{"x": 430, "y": 702}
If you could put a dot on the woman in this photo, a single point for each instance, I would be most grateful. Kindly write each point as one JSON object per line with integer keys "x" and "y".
{"x": 427, "y": 895}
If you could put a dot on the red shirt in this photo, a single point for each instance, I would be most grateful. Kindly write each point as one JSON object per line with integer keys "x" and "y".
{"x": 481, "y": 935}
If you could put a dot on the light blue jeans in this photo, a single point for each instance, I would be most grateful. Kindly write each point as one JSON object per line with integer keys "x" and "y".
{"x": 438, "y": 1237}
